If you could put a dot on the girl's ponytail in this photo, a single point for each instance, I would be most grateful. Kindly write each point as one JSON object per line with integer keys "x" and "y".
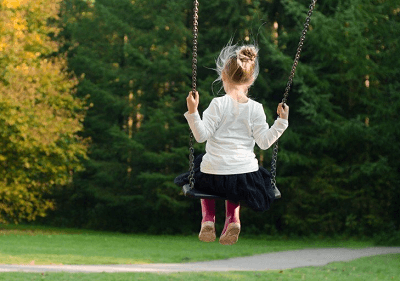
{"x": 242, "y": 67}
{"x": 246, "y": 60}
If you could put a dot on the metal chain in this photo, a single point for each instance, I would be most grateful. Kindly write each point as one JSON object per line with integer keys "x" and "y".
{"x": 289, "y": 85}
{"x": 195, "y": 42}
{"x": 194, "y": 81}
{"x": 191, "y": 161}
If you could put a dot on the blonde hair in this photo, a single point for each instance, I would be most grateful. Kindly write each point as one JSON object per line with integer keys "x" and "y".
{"x": 238, "y": 65}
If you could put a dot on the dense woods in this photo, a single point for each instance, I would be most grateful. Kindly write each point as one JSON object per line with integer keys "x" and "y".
{"x": 338, "y": 167}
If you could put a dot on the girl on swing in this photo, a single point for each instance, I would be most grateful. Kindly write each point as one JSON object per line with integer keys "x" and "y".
{"x": 232, "y": 125}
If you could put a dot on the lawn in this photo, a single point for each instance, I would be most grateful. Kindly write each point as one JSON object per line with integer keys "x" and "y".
{"x": 40, "y": 245}
{"x": 385, "y": 267}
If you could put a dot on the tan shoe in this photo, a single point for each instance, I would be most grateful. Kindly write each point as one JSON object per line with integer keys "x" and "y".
{"x": 207, "y": 232}
{"x": 231, "y": 234}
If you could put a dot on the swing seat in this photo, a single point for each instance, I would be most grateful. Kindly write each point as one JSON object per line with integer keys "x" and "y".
{"x": 197, "y": 194}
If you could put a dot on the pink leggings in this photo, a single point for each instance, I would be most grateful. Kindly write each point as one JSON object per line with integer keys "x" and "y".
{"x": 231, "y": 211}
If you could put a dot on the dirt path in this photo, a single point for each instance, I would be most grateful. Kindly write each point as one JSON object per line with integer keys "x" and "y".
{"x": 271, "y": 261}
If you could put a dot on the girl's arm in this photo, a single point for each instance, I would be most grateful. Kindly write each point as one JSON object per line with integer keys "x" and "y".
{"x": 202, "y": 129}
{"x": 263, "y": 134}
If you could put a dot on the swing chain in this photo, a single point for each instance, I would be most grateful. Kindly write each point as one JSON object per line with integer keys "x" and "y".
{"x": 194, "y": 80}
{"x": 195, "y": 41}
{"x": 289, "y": 85}
{"x": 273, "y": 165}
{"x": 191, "y": 161}
{"x": 299, "y": 48}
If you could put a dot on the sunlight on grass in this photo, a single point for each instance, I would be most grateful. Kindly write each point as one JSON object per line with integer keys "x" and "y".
{"x": 71, "y": 246}
{"x": 46, "y": 259}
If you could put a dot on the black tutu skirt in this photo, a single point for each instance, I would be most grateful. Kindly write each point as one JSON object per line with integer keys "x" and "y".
{"x": 253, "y": 189}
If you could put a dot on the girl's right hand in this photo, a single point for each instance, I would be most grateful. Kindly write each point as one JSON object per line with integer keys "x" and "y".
{"x": 192, "y": 102}
{"x": 283, "y": 111}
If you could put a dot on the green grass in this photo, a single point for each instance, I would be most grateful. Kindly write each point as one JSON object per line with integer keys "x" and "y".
{"x": 385, "y": 267}
{"x": 38, "y": 245}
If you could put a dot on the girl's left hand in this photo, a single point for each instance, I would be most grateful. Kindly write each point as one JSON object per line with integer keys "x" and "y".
{"x": 192, "y": 102}
{"x": 283, "y": 111}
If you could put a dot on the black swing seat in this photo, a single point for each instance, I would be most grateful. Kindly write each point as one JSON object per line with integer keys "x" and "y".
{"x": 197, "y": 194}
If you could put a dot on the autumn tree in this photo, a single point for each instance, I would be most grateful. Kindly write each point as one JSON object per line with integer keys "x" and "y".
{"x": 39, "y": 114}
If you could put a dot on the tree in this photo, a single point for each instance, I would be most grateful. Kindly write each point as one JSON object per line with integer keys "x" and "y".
{"x": 340, "y": 176}
{"x": 39, "y": 115}
{"x": 130, "y": 57}
{"x": 135, "y": 58}
{"x": 337, "y": 162}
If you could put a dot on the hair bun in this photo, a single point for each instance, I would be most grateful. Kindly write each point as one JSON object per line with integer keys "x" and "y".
{"x": 246, "y": 58}
{"x": 247, "y": 54}
{"x": 238, "y": 65}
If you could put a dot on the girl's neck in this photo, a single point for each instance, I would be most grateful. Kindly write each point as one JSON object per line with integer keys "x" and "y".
{"x": 238, "y": 93}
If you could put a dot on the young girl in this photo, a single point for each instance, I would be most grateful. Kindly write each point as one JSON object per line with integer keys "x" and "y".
{"x": 231, "y": 125}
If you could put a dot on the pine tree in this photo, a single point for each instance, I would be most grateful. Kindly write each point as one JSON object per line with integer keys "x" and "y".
{"x": 339, "y": 175}
{"x": 131, "y": 59}
{"x": 337, "y": 161}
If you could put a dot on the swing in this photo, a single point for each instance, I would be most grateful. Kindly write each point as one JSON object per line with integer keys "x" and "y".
{"x": 188, "y": 189}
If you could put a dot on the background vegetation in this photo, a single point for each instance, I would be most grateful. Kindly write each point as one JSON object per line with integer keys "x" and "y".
{"x": 39, "y": 113}
{"x": 338, "y": 166}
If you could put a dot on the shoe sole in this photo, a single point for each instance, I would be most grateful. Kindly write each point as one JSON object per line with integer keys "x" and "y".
{"x": 207, "y": 234}
{"x": 231, "y": 234}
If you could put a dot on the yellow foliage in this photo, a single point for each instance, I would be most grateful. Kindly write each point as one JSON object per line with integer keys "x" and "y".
{"x": 39, "y": 114}
{"x": 13, "y": 4}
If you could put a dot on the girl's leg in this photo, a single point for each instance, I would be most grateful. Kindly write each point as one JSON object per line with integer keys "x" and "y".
{"x": 207, "y": 232}
{"x": 208, "y": 210}
{"x": 231, "y": 231}
{"x": 232, "y": 211}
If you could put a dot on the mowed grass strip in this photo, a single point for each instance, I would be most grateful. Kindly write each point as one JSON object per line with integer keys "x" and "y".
{"x": 35, "y": 245}
{"x": 385, "y": 267}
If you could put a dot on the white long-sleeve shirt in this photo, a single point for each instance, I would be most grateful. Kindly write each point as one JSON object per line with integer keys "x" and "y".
{"x": 231, "y": 130}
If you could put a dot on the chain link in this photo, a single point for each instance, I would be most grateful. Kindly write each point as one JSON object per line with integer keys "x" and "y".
{"x": 194, "y": 85}
{"x": 289, "y": 85}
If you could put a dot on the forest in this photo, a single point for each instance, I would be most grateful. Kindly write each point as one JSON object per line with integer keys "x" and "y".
{"x": 93, "y": 92}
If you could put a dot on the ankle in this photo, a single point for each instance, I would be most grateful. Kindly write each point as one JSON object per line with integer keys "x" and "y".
{"x": 229, "y": 220}
{"x": 232, "y": 219}
{"x": 207, "y": 210}
{"x": 208, "y": 218}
